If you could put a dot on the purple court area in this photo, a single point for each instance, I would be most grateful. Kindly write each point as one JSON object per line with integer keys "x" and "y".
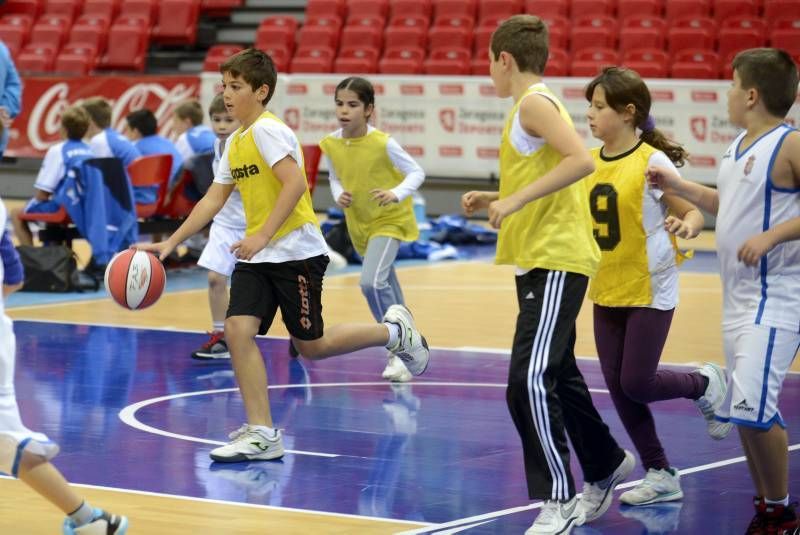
{"x": 441, "y": 451}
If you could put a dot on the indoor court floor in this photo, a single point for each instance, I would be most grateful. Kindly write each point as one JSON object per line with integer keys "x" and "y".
{"x": 136, "y": 417}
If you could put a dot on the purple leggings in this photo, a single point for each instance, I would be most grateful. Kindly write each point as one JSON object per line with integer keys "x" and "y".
{"x": 629, "y": 343}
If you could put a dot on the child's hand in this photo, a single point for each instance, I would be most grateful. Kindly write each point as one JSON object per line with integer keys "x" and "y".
{"x": 472, "y": 201}
{"x": 753, "y": 249}
{"x": 161, "y": 249}
{"x": 383, "y": 196}
{"x": 500, "y": 209}
{"x": 663, "y": 178}
{"x": 247, "y": 248}
{"x": 345, "y": 199}
{"x": 9, "y": 289}
{"x": 680, "y": 228}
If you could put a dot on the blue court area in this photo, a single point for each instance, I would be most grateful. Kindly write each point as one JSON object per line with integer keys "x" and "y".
{"x": 131, "y": 410}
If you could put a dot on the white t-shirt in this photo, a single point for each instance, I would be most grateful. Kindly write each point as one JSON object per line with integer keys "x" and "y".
{"x": 232, "y": 213}
{"x": 52, "y": 170}
{"x": 276, "y": 141}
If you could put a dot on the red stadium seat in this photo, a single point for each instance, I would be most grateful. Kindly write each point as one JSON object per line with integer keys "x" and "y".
{"x": 479, "y": 66}
{"x": 149, "y": 171}
{"x": 639, "y": 8}
{"x": 594, "y": 32}
{"x": 406, "y": 36}
{"x": 787, "y": 38}
{"x": 357, "y": 61}
{"x": 365, "y": 36}
{"x": 448, "y": 61}
{"x": 590, "y": 61}
{"x": 483, "y": 37}
{"x": 648, "y": 62}
{"x": 177, "y": 22}
{"x": 217, "y": 55}
{"x": 777, "y": 9}
{"x": 692, "y": 32}
{"x": 326, "y": 8}
{"x": 36, "y": 59}
{"x": 367, "y": 8}
{"x": 280, "y": 54}
{"x": 31, "y": 8}
{"x": 127, "y": 47}
{"x": 15, "y": 31}
{"x": 450, "y": 37}
{"x": 50, "y": 30}
{"x": 267, "y": 36}
{"x": 90, "y": 30}
{"x": 557, "y": 63}
{"x": 318, "y": 36}
{"x": 76, "y": 59}
{"x": 409, "y": 8}
{"x": 679, "y": 9}
{"x": 594, "y": 8}
{"x": 312, "y": 60}
{"x": 219, "y": 8}
{"x": 409, "y": 21}
{"x": 695, "y": 63}
{"x": 107, "y": 9}
{"x": 371, "y": 21}
{"x": 281, "y": 21}
{"x": 547, "y": 8}
{"x": 68, "y": 8}
{"x": 406, "y": 60}
{"x": 498, "y": 9}
{"x": 444, "y": 10}
{"x": 642, "y": 32}
{"x": 724, "y": 9}
{"x": 733, "y": 38}
{"x": 558, "y": 29}
{"x": 145, "y": 9}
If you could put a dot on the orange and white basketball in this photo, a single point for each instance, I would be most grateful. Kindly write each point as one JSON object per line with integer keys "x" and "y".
{"x": 135, "y": 279}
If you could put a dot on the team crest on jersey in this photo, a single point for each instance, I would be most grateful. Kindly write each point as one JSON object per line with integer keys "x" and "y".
{"x": 749, "y": 165}
{"x": 245, "y": 171}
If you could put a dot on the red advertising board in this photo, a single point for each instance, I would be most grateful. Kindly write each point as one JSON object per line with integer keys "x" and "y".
{"x": 45, "y": 98}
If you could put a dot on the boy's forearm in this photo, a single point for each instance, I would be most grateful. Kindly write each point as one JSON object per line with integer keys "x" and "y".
{"x": 699, "y": 195}
{"x": 786, "y": 231}
{"x": 291, "y": 193}
{"x": 570, "y": 170}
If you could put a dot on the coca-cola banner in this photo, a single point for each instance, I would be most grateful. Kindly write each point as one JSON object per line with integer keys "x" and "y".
{"x": 45, "y": 98}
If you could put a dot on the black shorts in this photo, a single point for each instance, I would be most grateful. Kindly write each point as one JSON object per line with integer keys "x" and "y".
{"x": 258, "y": 289}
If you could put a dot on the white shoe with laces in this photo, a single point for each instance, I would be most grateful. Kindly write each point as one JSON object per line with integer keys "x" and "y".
{"x": 250, "y": 443}
{"x": 657, "y": 486}
{"x": 596, "y": 498}
{"x": 411, "y": 346}
{"x": 396, "y": 371}
{"x": 712, "y": 399}
{"x": 557, "y": 518}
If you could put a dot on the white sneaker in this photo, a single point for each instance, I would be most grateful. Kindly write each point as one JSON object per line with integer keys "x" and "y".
{"x": 657, "y": 486}
{"x": 102, "y": 523}
{"x": 396, "y": 371}
{"x": 250, "y": 443}
{"x": 411, "y": 346}
{"x": 596, "y": 498}
{"x": 557, "y": 518}
{"x": 712, "y": 399}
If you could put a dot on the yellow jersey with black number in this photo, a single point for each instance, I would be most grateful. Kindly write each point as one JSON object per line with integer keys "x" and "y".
{"x": 554, "y": 232}
{"x": 260, "y": 187}
{"x": 639, "y": 258}
{"x": 363, "y": 164}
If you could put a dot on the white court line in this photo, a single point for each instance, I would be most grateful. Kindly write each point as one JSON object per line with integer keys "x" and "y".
{"x": 505, "y": 512}
{"x": 128, "y": 414}
{"x": 237, "y": 504}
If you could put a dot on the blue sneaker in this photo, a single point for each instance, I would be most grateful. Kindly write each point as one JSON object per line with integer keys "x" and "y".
{"x": 103, "y": 524}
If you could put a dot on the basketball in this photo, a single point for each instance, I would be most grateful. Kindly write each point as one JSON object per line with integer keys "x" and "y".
{"x": 135, "y": 279}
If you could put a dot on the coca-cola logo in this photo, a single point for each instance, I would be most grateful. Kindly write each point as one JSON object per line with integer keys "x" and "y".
{"x": 45, "y": 117}
{"x": 292, "y": 118}
{"x": 447, "y": 118}
{"x": 699, "y": 127}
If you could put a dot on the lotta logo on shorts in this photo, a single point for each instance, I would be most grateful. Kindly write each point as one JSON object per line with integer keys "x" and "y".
{"x": 305, "y": 307}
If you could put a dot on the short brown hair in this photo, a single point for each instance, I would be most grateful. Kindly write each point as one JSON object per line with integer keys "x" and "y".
{"x": 525, "y": 38}
{"x": 217, "y": 105}
{"x": 75, "y": 121}
{"x": 773, "y": 73}
{"x": 190, "y": 109}
{"x": 99, "y": 111}
{"x": 255, "y": 67}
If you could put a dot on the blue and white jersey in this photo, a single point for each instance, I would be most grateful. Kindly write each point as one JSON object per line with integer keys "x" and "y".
{"x": 111, "y": 144}
{"x": 232, "y": 213}
{"x": 58, "y": 160}
{"x": 196, "y": 140}
{"x": 749, "y": 204}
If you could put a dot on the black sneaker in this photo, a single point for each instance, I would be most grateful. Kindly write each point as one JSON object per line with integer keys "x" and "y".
{"x": 780, "y": 519}
{"x": 757, "y": 523}
{"x": 214, "y": 348}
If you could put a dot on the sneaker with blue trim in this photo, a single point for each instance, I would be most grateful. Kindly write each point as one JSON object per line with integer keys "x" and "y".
{"x": 103, "y": 523}
{"x": 411, "y": 346}
{"x": 712, "y": 399}
{"x": 657, "y": 486}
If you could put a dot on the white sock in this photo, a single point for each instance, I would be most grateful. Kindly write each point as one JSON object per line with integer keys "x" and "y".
{"x": 83, "y": 514}
{"x": 394, "y": 334}
{"x": 218, "y": 326}
{"x": 783, "y": 501}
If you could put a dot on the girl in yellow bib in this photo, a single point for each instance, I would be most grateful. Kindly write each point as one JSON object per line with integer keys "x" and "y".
{"x": 372, "y": 178}
{"x": 635, "y": 290}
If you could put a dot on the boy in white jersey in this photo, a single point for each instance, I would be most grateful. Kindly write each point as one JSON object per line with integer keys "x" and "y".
{"x": 228, "y": 228}
{"x": 282, "y": 258}
{"x": 542, "y": 211}
{"x": 757, "y": 204}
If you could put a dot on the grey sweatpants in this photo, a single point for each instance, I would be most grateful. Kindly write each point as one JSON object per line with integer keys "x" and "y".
{"x": 379, "y": 282}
